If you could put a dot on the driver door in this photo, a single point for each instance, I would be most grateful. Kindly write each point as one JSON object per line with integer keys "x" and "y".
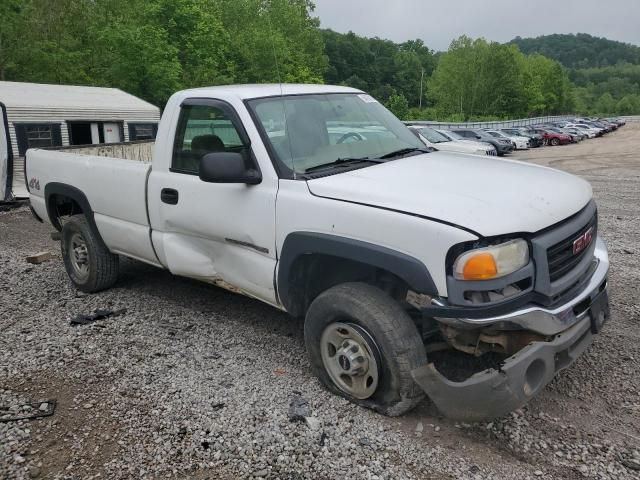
{"x": 223, "y": 233}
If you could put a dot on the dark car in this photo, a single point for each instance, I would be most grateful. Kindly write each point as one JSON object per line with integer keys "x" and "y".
{"x": 618, "y": 121}
{"x": 503, "y": 145}
{"x": 574, "y": 132}
{"x": 608, "y": 127}
{"x": 535, "y": 139}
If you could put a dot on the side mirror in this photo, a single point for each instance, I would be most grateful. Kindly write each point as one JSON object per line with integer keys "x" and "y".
{"x": 227, "y": 167}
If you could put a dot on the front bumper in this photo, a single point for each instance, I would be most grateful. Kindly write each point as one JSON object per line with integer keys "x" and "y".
{"x": 503, "y": 148}
{"x": 492, "y": 393}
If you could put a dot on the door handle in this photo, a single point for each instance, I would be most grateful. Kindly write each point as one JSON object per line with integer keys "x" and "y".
{"x": 169, "y": 195}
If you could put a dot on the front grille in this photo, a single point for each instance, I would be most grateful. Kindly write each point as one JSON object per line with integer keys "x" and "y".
{"x": 560, "y": 257}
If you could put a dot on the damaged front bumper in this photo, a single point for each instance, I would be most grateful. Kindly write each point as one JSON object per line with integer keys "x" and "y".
{"x": 493, "y": 393}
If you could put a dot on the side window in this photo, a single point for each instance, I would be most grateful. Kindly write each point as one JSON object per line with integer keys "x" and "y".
{"x": 202, "y": 129}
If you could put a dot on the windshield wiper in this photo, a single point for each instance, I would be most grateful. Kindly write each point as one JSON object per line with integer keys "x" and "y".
{"x": 404, "y": 151}
{"x": 343, "y": 161}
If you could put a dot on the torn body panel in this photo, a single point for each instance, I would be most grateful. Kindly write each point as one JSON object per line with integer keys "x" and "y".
{"x": 497, "y": 391}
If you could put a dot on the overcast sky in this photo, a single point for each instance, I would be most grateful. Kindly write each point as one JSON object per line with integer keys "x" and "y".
{"x": 439, "y": 22}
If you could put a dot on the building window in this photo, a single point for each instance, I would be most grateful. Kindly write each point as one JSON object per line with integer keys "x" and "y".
{"x": 37, "y": 135}
{"x": 142, "y": 131}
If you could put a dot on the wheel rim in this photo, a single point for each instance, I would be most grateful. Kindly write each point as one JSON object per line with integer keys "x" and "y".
{"x": 350, "y": 357}
{"x": 79, "y": 255}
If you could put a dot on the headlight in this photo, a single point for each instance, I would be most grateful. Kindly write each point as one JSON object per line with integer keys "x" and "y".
{"x": 492, "y": 262}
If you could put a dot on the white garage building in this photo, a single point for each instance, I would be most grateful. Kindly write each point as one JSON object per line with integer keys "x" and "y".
{"x": 37, "y": 115}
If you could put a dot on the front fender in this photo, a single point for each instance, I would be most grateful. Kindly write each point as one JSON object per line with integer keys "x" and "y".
{"x": 297, "y": 244}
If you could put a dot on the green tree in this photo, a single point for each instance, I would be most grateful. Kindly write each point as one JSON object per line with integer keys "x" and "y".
{"x": 605, "y": 104}
{"x": 378, "y": 66}
{"x": 477, "y": 78}
{"x": 11, "y": 16}
{"x": 399, "y": 105}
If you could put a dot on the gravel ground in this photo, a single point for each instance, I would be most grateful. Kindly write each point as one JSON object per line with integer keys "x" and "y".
{"x": 195, "y": 382}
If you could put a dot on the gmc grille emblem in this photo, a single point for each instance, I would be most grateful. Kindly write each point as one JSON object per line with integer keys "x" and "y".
{"x": 583, "y": 241}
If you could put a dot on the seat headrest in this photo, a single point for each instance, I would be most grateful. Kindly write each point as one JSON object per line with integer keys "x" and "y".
{"x": 207, "y": 143}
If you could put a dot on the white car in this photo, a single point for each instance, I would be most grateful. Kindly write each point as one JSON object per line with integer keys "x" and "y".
{"x": 453, "y": 136}
{"x": 584, "y": 131}
{"x": 591, "y": 131}
{"x": 521, "y": 143}
{"x": 318, "y": 201}
{"x": 432, "y": 138}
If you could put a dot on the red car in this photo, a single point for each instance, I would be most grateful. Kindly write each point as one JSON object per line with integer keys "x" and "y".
{"x": 553, "y": 138}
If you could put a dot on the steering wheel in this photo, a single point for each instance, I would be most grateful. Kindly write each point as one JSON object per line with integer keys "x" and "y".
{"x": 346, "y": 136}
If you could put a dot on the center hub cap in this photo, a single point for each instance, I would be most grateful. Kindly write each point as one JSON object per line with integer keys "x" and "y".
{"x": 344, "y": 362}
{"x": 347, "y": 355}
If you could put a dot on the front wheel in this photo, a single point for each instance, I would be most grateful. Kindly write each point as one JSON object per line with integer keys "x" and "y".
{"x": 363, "y": 346}
{"x": 555, "y": 142}
{"x": 89, "y": 264}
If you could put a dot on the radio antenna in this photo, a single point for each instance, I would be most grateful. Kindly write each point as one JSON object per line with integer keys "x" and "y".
{"x": 284, "y": 109}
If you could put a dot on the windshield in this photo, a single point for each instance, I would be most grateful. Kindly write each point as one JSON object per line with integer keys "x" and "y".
{"x": 432, "y": 135}
{"x": 496, "y": 134}
{"x": 451, "y": 135}
{"x": 306, "y": 131}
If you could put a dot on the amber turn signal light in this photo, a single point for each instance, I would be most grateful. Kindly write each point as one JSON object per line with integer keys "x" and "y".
{"x": 480, "y": 267}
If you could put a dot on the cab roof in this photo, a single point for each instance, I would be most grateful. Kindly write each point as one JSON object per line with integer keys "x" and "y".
{"x": 249, "y": 91}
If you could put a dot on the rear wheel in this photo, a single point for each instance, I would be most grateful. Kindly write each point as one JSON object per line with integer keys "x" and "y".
{"x": 363, "y": 346}
{"x": 555, "y": 142}
{"x": 89, "y": 264}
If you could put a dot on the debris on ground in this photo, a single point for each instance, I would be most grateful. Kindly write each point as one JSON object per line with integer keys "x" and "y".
{"x": 82, "y": 319}
{"x": 38, "y": 258}
{"x": 631, "y": 464}
{"x": 313, "y": 423}
{"x": 299, "y": 408}
{"x": 28, "y": 411}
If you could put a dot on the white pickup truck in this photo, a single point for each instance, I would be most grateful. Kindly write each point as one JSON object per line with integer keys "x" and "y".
{"x": 467, "y": 278}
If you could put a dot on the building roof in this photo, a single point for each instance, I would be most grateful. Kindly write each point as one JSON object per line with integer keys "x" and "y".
{"x": 19, "y": 94}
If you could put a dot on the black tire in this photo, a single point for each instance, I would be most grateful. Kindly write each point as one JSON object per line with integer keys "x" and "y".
{"x": 555, "y": 142}
{"x": 101, "y": 265}
{"x": 398, "y": 342}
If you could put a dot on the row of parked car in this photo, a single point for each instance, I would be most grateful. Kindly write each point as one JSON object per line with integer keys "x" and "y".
{"x": 504, "y": 141}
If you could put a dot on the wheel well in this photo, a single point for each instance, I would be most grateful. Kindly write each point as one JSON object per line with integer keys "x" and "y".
{"x": 312, "y": 274}
{"x": 59, "y": 205}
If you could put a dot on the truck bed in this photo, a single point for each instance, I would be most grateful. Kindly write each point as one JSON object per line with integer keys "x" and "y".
{"x": 112, "y": 178}
{"x": 139, "y": 151}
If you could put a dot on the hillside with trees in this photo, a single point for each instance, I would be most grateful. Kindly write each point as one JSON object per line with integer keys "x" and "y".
{"x": 580, "y": 50}
{"x": 152, "y": 48}
{"x": 606, "y": 73}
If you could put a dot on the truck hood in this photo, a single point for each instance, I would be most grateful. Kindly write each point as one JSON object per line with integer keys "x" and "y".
{"x": 487, "y": 195}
